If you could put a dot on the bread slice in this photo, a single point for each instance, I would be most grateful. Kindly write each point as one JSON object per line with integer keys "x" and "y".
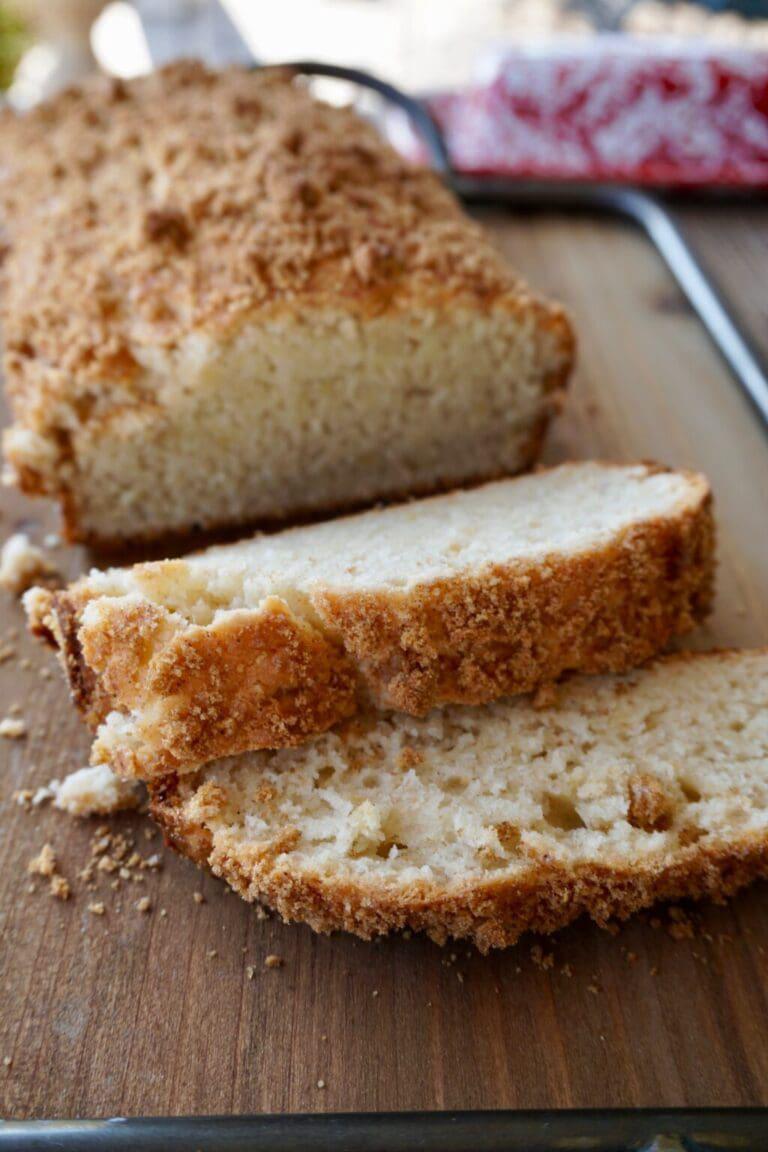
{"x": 485, "y": 823}
{"x": 458, "y": 598}
{"x": 225, "y": 302}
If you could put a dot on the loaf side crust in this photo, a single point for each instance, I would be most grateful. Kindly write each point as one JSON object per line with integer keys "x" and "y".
{"x": 267, "y": 678}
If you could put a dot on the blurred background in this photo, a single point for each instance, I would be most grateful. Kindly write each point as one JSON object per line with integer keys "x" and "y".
{"x": 416, "y": 43}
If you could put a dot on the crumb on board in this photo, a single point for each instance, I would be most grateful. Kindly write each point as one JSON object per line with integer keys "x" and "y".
{"x": 23, "y": 564}
{"x": 144, "y": 905}
{"x": 44, "y": 864}
{"x": 60, "y": 887}
{"x": 198, "y": 898}
{"x": 681, "y": 926}
{"x": 94, "y": 791}
{"x": 13, "y": 728}
{"x": 273, "y": 961}
{"x": 97, "y": 908}
{"x": 543, "y": 960}
{"x": 250, "y": 971}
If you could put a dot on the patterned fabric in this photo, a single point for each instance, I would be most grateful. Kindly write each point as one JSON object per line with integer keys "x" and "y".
{"x": 682, "y": 118}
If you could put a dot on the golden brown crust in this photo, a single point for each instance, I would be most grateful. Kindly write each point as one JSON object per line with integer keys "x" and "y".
{"x": 265, "y": 678}
{"x": 491, "y": 913}
{"x": 188, "y": 203}
{"x": 471, "y": 640}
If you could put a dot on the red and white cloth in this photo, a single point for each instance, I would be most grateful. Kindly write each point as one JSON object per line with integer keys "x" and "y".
{"x": 652, "y": 115}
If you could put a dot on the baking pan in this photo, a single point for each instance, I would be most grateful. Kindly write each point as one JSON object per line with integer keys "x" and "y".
{"x": 715, "y": 1130}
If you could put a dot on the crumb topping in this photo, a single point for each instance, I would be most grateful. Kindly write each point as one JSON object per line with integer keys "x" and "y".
{"x": 185, "y": 200}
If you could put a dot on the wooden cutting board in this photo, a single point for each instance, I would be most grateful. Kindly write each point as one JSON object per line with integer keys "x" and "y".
{"x": 154, "y": 1013}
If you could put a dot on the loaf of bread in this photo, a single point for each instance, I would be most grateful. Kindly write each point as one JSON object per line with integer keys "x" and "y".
{"x": 225, "y": 302}
{"x": 457, "y": 598}
{"x": 484, "y": 823}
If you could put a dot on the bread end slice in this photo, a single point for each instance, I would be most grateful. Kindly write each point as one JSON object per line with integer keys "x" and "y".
{"x": 487, "y": 823}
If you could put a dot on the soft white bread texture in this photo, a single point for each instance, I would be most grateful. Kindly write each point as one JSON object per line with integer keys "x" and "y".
{"x": 485, "y": 823}
{"x": 226, "y": 302}
{"x": 459, "y": 598}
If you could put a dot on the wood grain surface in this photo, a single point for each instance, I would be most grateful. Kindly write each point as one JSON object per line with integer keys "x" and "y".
{"x": 141, "y": 1013}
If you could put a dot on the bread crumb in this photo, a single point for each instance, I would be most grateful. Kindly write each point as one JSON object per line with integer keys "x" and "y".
{"x": 250, "y": 971}
{"x": 375, "y": 993}
{"x": 94, "y": 791}
{"x": 12, "y": 728}
{"x": 44, "y": 864}
{"x": 542, "y": 960}
{"x": 22, "y": 564}
{"x": 7, "y": 1061}
{"x": 163, "y": 913}
{"x": 212, "y": 953}
{"x": 198, "y": 898}
{"x": 682, "y": 926}
{"x": 273, "y": 961}
{"x": 144, "y": 905}
{"x": 321, "y": 1083}
{"x": 60, "y": 887}
{"x": 97, "y": 908}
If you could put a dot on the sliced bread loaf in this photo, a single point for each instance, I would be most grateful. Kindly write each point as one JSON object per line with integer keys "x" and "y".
{"x": 484, "y": 823}
{"x": 227, "y": 302}
{"x": 459, "y": 598}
